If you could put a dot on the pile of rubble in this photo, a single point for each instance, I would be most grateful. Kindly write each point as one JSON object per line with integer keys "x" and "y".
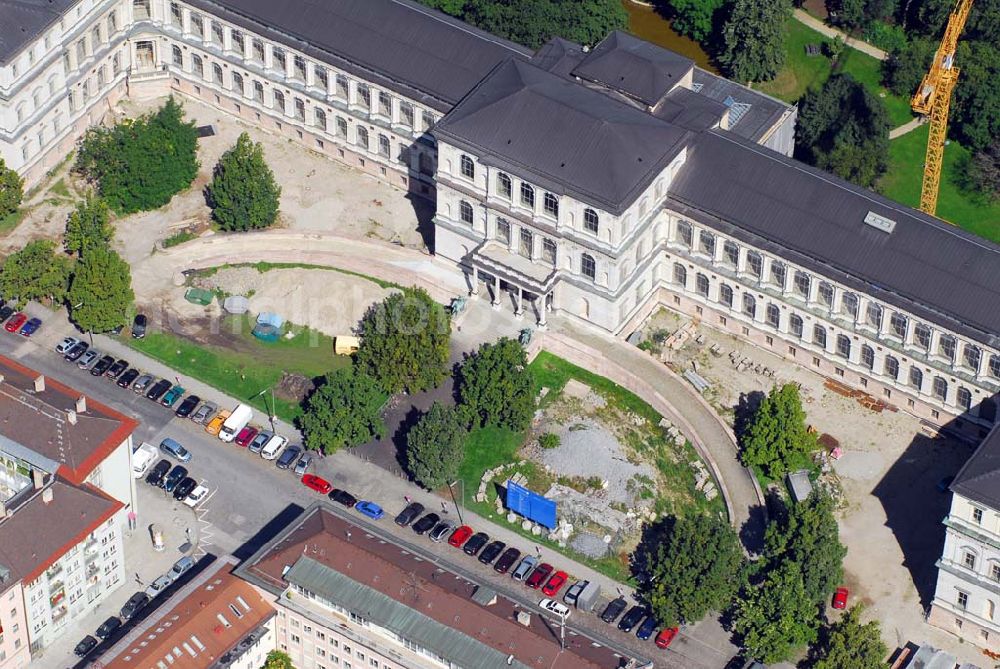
{"x": 743, "y": 363}
{"x": 703, "y": 481}
{"x": 673, "y": 434}
{"x": 491, "y": 474}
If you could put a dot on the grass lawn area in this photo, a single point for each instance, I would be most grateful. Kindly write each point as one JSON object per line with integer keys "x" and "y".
{"x": 11, "y": 221}
{"x": 245, "y": 366}
{"x": 902, "y": 183}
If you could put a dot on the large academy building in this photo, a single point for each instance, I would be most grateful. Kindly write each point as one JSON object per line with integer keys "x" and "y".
{"x": 598, "y": 182}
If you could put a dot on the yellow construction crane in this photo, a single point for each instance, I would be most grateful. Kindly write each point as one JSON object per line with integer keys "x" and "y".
{"x": 933, "y": 98}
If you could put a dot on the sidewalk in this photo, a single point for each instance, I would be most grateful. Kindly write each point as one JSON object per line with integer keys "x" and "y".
{"x": 864, "y": 47}
{"x": 907, "y": 127}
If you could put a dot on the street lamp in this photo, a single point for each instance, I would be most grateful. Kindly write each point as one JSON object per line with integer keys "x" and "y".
{"x": 451, "y": 489}
{"x": 270, "y": 411}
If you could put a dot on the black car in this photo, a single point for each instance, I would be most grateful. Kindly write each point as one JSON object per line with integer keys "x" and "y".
{"x": 632, "y": 618}
{"x": 134, "y": 604}
{"x": 174, "y": 477}
{"x": 108, "y": 627}
{"x": 507, "y": 560}
{"x": 115, "y": 370}
{"x": 426, "y": 523}
{"x": 476, "y": 543}
{"x": 102, "y": 365}
{"x": 139, "y": 326}
{"x": 156, "y": 474}
{"x": 74, "y": 353}
{"x": 158, "y": 390}
{"x": 126, "y": 379}
{"x": 343, "y": 497}
{"x": 491, "y": 552}
{"x": 184, "y": 488}
{"x": 87, "y": 644}
{"x": 288, "y": 457}
{"x": 6, "y": 312}
{"x": 409, "y": 514}
{"x": 187, "y": 406}
{"x": 613, "y": 609}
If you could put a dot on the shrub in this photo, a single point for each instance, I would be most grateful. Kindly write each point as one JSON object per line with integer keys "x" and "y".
{"x": 549, "y": 440}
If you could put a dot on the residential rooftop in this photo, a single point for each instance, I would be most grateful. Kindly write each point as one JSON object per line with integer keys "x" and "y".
{"x": 979, "y": 478}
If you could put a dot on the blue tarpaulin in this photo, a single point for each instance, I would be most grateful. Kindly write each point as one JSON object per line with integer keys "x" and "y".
{"x": 531, "y": 505}
{"x": 272, "y": 319}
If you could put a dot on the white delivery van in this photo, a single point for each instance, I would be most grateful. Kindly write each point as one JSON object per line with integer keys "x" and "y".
{"x": 142, "y": 458}
{"x": 273, "y": 447}
{"x": 237, "y": 420}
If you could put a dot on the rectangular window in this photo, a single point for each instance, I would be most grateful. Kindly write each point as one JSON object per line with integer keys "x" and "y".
{"x": 343, "y": 86}
{"x": 527, "y": 242}
{"x": 922, "y": 336}
{"x": 406, "y": 114}
{"x": 995, "y": 572}
{"x": 977, "y": 516}
{"x": 299, "y": 68}
{"x": 969, "y": 560}
{"x": 731, "y": 253}
{"x": 384, "y": 147}
{"x": 706, "y": 243}
{"x": 503, "y": 230}
{"x": 549, "y": 251}
{"x": 364, "y": 96}
{"x": 384, "y": 104}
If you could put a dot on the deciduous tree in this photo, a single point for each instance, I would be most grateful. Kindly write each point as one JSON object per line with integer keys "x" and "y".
{"x": 36, "y": 272}
{"x": 777, "y": 432}
{"x": 100, "y": 293}
{"x": 277, "y": 659}
{"x": 698, "y": 19}
{"x": 435, "y": 446}
{"x": 243, "y": 193}
{"x": 774, "y": 618}
{"x": 849, "y": 644}
{"x": 754, "y": 39}
{"x": 534, "y": 22}
{"x": 11, "y": 190}
{"x": 88, "y": 226}
{"x": 984, "y": 170}
{"x": 495, "y": 386}
{"x": 345, "y": 410}
{"x": 906, "y": 67}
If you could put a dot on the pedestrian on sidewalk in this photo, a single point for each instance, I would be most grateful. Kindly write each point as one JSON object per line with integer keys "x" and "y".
{"x": 407, "y": 498}
{"x": 138, "y": 579}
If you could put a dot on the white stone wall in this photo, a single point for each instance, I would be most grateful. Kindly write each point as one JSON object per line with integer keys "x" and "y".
{"x": 14, "y": 646}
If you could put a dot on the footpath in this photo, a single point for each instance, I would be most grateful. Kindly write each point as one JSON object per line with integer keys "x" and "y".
{"x": 811, "y": 21}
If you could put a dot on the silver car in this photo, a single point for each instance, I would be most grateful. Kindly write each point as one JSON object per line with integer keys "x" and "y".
{"x": 142, "y": 383}
{"x": 204, "y": 413}
{"x": 303, "y": 464}
{"x": 440, "y": 531}
{"x": 158, "y": 586}
{"x": 89, "y": 359}
{"x": 526, "y": 567}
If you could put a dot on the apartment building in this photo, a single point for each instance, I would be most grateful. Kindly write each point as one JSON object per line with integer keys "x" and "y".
{"x": 14, "y": 646}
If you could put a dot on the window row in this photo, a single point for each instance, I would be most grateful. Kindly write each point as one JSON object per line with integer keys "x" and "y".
{"x": 526, "y": 192}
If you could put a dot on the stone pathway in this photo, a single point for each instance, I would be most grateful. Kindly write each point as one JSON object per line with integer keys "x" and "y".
{"x": 907, "y": 127}
{"x": 808, "y": 19}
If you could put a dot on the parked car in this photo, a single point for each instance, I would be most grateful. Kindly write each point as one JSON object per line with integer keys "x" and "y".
{"x": 665, "y": 636}
{"x": 139, "y": 326}
{"x": 75, "y": 351}
{"x": 426, "y": 523}
{"x": 409, "y": 514}
{"x": 115, "y": 370}
{"x": 260, "y": 441}
{"x": 476, "y": 543}
{"x": 214, "y": 426}
{"x": 127, "y": 378}
{"x": 15, "y": 323}
{"x": 157, "y": 390}
{"x": 134, "y": 604}
{"x": 108, "y": 627}
{"x": 143, "y": 382}
{"x": 317, "y": 483}
{"x": 647, "y": 628}
{"x": 613, "y": 609}
{"x": 840, "y": 598}
{"x": 173, "y": 448}
{"x": 87, "y": 644}
{"x": 184, "y": 488}
{"x": 632, "y": 618}
{"x": 555, "y": 583}
{"x": 185, "y": 408}
{"x": 341, "y": 496}
{"x": 538, "y": 576}
{"x": 5, "y": 312}
{"x": 552, "y": 606}
{"x": 66, "y": 344}
{"x": 159, "y": 585}
{"x": 204, "y": 413}
{"x": 523, "y": 569}
{"x": 196, "y": 496}
{"x": 370, "y": 509}
{"x": 88, "y": 359}
{"x": 31, "y": 327}
{"x": 288, "y": 457}
{"x": 491, "y": 552}
{"x": 440, "y": 531}
{"x": 273, "y": 447}
{"x": 574, "y": 592}
{"x": 173, "y": 479}
{"x": 460, "y": 536}
{"x": 156, "y": 474}
{"x": 245, "y": 436}
{"x": 302, "y": 466}
{"x": 174, "y": 394}
{"x": 102, "y": 365}
{"x": 506, "y": 561}
{"x": 181, "y": 567}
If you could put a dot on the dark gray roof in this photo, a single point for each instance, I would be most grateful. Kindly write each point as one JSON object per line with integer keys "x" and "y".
{"x": 754, "y": 121}
{"x": 930, "y": 268}
{"x": 635, "y": 67}
{"x": 23, "y": 21}
{"x": 559, "y": 56}
{"x": 399, "y": 44}
{"x": 567, "y": 137}
{"x": 979, "y": 478}
{"x": 690, "y": 110}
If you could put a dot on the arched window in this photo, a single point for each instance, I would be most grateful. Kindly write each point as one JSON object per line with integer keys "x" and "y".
{"x": 198, "y": 67}
{"x": 897, "y": 323}
{"x": 465, "y": 212}
{"x": 916, "y": 378}
{"x": 362, "y": 137}
{"x": 755, "y": 264}
{"x": 995, "y": 366}
{"x": 504, "y": 186}
{"x": 503, "y": 230}
{"x": 706, "y": 243}
{"x": 550, "y": 204}
{"x": 320, "y": 118}
{"x": 527, "y": 195}
{"x": 873, "y": 315}
{"x": 238, "y": 83}
{"x": 684, "y": 234}
{"x": 701, "y": 285}
{"x": 940, "y": 388}
{"x": 795, "y": 325}
{"x": 217, "y": 74}
{"x": 964, "y": 398}
{"x": 891, "y": 367}
{"x": 772, "y": 315}
{"x": 825, "y": 294}
{"x": 946, "y": 347}
{"x": 849, "y": 305}
{"x": 868, "y": 356}
{"x": 922, "y": 336}
{"x": 749, "y": 305}
{"x": 591, "y": 222}
{"x": 843, "y": 346}
{"x": 726, "y": 295}
{"x": 588, "y": 267}
{"x": 468, "y": 167}
{"x": 971, "y": 356}
{"x": 680, "y": 274}
{"x": 819, "y": 336}
{"x": 178, "y": 56}
{"x": 778, "y": 274}
{"x": 800, "y": 284}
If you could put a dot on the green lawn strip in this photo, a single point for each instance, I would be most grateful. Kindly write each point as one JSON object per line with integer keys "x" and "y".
{"x": 178, "y": 238}
{"x": 868, "y": 71}
{"x": 11, "y": 221}
{"x": 902, "y": 183}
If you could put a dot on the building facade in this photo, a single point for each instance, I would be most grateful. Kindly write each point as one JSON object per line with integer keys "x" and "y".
{"x": 14, "y": 645}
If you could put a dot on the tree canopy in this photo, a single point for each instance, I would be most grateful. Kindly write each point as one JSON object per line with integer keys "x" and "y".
{"x": 345, "y": 410}
{"x": 404, "y": 342}
{"x": 243, "y": 193}
{"x": 975, "y": 117}
{"x": 88, "y": 226}
{"x": 905, "y": 68}
{"x": 435, "y": 446}
{"x": 984, "y": 170}
{"x": 849, "y": 644}
{"x": 754, "y": 39}
{"x": 775, "y": 617}
{"x": 495, "y": 386}
{"x": 277, "y": 659}
{"x": 777, "y": 435}
{"x": 100, "y": 292}
{"x": 11, "y": 190}
{"x": 36, "y": 272}
{"x": 139, "y": 164}
{"x": 698, "y": 19}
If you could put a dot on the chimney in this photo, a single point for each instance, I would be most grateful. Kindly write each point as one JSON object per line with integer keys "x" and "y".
{"x": 81, "y": 405}
{"x": 47, "y": 495}
{"x": 37, "y": 478}
{"x": 39, "y": 383}
{"x": 524, "y": 618}
{"x": 71, "y": 417}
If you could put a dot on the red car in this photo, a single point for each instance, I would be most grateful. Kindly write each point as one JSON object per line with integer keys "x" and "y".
{"x": 665, "y": 636}
{"x": 317, "y": 483}
{"x": 840, "y": 598}
{"x": 555, "y": 583}
{"x": 245, "y": 436}
{"x": 538, "y": 576}
{"x": 460, "y": 536}
{"x": 15, "y": 322}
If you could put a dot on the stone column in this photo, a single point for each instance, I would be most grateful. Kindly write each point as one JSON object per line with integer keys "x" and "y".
{"x": 519, "y": 312}
{"x": 474, "y": 290}
{"x": 542, "y": 323}
{"x": 495, "y": 303}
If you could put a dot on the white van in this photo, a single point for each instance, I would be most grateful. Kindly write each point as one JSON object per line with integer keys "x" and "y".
{"x": 237, "y": 420}
{"x": 142, "y": 458}
{"x": 273, "y": 447}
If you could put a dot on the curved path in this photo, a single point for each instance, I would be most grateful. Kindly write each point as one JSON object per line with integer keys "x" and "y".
{"x": 802, "y": 16}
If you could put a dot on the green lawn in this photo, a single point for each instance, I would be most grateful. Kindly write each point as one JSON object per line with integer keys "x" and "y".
{"x": 902, "y": 183}
{"x": 11, "y": 221}
{"x": 246, "y": 365}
